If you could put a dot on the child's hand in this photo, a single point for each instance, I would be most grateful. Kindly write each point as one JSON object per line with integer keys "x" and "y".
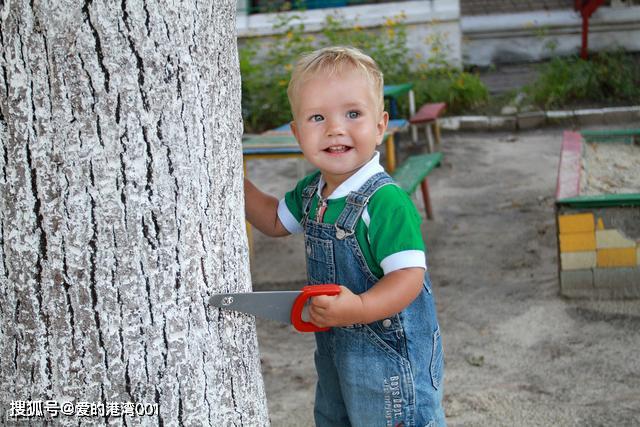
{"x": 343, "y": 309}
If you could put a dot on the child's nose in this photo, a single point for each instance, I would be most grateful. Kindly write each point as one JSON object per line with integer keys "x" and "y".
{"x": 335, "y": 127}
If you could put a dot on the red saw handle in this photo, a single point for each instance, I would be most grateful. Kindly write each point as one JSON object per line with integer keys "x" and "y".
{"x": 298, "y": 305}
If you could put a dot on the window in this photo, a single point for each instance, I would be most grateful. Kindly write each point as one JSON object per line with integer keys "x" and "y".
{"x": 266, "y": 6}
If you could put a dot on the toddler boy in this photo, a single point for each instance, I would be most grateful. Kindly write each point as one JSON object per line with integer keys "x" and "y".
{"x": 381, "y": 363}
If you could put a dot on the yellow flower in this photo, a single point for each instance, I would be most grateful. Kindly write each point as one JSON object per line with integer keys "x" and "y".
{"x": 288, "y": 67}
{"x": 389, "y": 22}
{"x": 390, "y": 32}
{"x": 357, "y": 28}
{"x": 282, "y": 83}
{"x": 290, "y": 35}
{"x": 418, "y": 56}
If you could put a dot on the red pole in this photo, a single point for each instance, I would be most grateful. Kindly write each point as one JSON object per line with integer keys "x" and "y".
{"x": 586, "y": 10}
{"x": 585, "y": 36}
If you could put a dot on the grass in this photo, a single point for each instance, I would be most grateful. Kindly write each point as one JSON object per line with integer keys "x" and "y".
{"x": 606, "y": 77}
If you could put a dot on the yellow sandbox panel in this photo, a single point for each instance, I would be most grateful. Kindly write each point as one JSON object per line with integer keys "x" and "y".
{"x": 578, "y": 260}
{"x": 578, "y": 242}
{"x": 576, "y": 223}
{"x": 617, "y": 257}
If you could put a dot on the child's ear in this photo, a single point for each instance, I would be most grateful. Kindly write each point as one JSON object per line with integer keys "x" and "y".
{"x": 381, "y": 127}
{"x": 294, "y": 129}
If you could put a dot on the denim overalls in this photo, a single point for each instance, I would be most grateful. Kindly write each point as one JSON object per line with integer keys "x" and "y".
{"x": 386, "y": 373}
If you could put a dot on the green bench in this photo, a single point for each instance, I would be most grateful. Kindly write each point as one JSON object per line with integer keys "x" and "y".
{"x": 414, "y": 171}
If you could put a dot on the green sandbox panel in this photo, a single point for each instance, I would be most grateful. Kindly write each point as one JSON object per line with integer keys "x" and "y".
{"x": 602, "y": 200}
{"x": 621, "y": 136}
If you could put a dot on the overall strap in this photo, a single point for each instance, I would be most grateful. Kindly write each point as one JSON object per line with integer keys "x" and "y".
{"x": 356, "y": 203}
{"x": 307, "y": 195}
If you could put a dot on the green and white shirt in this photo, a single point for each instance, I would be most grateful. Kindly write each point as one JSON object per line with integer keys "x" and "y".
{"x": 388, "y": 231}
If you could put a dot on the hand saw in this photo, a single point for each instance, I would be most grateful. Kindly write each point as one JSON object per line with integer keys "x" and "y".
{"x": 281, "y": 306}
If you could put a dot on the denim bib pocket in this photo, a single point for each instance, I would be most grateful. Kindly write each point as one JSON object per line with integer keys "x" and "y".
{"x": 388, "y": 335}
{"x": 320, "y": 261}
{"x": 437, "y": 360}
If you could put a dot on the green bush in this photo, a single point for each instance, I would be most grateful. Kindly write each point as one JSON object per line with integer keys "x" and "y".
{"x": 606, "y": 76}
{"x": 461, "y": 91}
{"x": 266, "y": 68}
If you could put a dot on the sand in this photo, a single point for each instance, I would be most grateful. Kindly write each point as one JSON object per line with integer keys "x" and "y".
{"x": 517, "y": 353}
{"x": 609, "y": 168}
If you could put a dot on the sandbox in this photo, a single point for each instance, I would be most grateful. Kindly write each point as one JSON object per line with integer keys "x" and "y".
{"x": 598, "y": 214}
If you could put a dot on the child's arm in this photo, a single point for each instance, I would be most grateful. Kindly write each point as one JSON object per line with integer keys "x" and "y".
{"x": 392, "y": 294}
{"x": 261, "y": 210}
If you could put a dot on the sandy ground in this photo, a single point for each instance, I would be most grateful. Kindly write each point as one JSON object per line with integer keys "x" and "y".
{"x": 517, "y": 354}
{"x": 608, "y": 168}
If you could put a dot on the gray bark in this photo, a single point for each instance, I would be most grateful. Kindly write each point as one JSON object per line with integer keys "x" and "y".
{"x": 122, "y": 212}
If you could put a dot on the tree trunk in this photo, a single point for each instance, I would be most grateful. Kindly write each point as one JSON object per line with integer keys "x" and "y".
{"x": 122, "y": 212}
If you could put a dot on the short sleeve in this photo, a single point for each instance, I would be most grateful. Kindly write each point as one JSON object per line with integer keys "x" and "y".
{"x": 394, "y": 230}
{"x": 290, "y": 207}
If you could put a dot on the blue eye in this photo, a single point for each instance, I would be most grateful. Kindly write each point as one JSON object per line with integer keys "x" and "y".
{"x": 353, "y": 114}
{"x": 316, "y": 118}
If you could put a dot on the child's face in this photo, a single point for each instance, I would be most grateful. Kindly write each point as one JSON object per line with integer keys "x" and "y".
{"x": 337, "y": 124}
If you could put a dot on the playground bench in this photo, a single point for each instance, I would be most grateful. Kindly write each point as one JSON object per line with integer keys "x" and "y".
{"x": 428, "y": 116}
{"x": 414, "y": 171}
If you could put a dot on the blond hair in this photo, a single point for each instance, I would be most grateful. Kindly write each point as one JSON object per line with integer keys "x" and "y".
{"x": 333, "y": 61}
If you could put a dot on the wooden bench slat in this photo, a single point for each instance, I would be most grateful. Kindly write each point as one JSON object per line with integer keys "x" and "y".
{"x": 415, "y": 169}
{"x": 397, "y": 90}
{"x": 427, "y": 113}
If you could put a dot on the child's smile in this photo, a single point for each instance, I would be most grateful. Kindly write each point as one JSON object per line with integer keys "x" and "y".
{"x": 337, "y": 124}
{"x": 337, "y": 149}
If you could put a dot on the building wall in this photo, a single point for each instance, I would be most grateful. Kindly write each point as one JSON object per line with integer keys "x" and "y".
{"x": 533, "y": 36}
{"x": 490, "y": 7}
{"x": 423, "y": 19}
{"x": 482, "y": 32}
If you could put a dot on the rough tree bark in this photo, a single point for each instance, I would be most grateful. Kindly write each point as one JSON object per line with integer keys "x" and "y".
{"x": 121, "y": 210}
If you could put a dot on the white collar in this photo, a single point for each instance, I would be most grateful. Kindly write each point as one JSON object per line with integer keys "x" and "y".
{"x": 355, "y": 181}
